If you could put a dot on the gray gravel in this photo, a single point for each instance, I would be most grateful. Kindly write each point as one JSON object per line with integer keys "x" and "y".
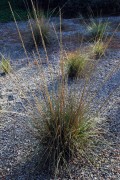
{"x": 18, "y": 142}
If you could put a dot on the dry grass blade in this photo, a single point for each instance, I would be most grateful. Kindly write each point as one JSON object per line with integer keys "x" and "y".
{"x": 39, "y": 27}
{"x": 19, "y": 32}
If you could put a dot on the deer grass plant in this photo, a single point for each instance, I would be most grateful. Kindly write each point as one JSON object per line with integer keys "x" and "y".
{"x": 66, "y": 130}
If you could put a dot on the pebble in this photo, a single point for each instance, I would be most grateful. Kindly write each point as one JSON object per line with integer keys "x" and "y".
{"x": 2, "y": 74}
{"x": 10, "y": 98}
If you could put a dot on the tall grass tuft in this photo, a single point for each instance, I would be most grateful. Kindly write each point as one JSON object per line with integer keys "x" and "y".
{"x": 66, "y": 130}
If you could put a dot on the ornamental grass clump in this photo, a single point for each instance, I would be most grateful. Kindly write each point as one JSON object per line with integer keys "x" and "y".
{"x": 76, "y": 64}
{"x": 97, "y": 29}
{"x": 65, "y": 129}
{"x": 40, "y": 28}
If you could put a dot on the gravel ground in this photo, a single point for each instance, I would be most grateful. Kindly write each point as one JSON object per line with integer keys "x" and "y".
{"x": 17, "y": 97}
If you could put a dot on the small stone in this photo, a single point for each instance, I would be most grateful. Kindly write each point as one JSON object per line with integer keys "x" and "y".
{"x": 9, "y": 90}
{"x": 10, "y": 98}
{"x": 1, "y": 96}
{"x": 2, "y": 74}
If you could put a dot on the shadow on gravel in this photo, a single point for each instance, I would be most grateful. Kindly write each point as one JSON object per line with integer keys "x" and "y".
{"x": 29, "y": 170}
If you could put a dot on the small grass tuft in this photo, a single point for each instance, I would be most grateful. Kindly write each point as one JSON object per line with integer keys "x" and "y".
{"x": 5, "y": 65}
{"x": 99, "y": 49}
{"x": 41, "y": 28}
{"x": 76, "y": 64}
{"x": 97, "y": 29}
